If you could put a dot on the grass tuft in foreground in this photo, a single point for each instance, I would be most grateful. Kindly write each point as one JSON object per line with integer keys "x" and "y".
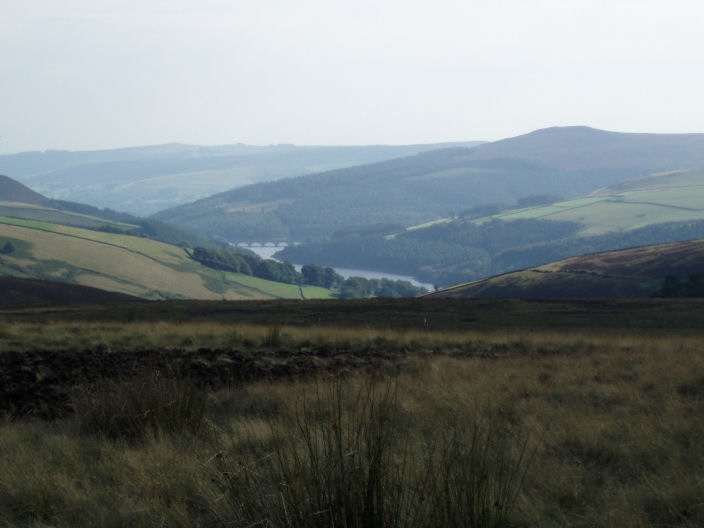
{"x": 353, "y": 457}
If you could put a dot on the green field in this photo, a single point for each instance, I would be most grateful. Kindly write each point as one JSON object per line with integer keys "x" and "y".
{"x": 279, "y": 289}
{"x": 127, "y": 264}
{"x": 47, "y": 214}
{"x": 660, "y": 198}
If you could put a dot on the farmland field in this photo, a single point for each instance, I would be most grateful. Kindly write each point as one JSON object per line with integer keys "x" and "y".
{"x": 126, "y": 264}
{"x": 669, "y": 197}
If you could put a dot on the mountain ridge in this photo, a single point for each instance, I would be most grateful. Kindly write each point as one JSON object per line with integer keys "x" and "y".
{"x": 566, "y": 161}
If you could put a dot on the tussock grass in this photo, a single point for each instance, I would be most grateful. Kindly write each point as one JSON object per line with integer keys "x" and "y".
{"x": 130, "y": 408}
{"x": 352, "y": 456}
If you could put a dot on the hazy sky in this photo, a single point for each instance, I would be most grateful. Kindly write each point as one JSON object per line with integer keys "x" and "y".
{"x": 85, "y": 74}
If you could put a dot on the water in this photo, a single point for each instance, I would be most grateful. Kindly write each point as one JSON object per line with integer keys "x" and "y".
{"x": 267, "y": 252}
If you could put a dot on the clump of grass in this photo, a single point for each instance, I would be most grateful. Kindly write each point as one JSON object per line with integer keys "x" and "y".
{"x": 130, "y": 408}
{"x": 274, "y": 337}
{"x": 350, "y": 459}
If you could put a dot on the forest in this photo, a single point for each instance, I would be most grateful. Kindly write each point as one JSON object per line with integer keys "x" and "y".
{"x": 248, "y": 263}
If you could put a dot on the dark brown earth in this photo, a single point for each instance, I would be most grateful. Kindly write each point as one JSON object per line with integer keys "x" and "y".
{"x": 40, "y": 382}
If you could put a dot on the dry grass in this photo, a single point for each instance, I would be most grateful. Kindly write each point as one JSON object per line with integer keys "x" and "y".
{"x": 614, "y": 426}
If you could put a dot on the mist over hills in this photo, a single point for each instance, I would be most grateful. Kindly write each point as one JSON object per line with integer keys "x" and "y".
{"x": 568, "y": 161}
{"x": 143, "y": 180}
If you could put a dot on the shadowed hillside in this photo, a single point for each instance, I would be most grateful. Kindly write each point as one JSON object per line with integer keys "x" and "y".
{"x": 635, "y": 272}
{"x": 14, "y": 191}
{"x": 30, "y": 291}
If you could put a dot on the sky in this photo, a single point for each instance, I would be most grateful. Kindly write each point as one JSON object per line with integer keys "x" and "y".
{"x": 90, "y": 74}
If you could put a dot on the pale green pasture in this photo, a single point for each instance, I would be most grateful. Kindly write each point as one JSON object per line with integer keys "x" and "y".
{"x": 622, "y": 211}
{"x": 166, "y": 253}
{"x": 279, "y": 289}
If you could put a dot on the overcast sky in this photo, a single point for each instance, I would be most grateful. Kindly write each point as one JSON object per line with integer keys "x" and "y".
{"x": 86, "y": 74}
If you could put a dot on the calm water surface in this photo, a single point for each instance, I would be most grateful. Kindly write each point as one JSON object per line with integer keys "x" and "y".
{"x": 268, "y": 252}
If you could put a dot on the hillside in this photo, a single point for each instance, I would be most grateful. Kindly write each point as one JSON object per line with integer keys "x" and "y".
{"x": 13, "y": 191}
{"x": 126, "y": 264}
{"x": 664, "y": 207}
{"x": 143, "y": 180}
{"x": 141, "y": 258}
{"x": 569, "y": 162}
{"x": 674, "y": 196}
{"x": 31, "y": 291}
{"x": 634, "y": 272}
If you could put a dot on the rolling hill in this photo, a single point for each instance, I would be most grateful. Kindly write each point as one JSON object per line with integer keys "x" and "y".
{"x": 31, "y": 291}
{"x": 658, "y": 208}
{"x": 634, "y": 272}
{"x": 674, "y": 196}
{"x": 38, "y": 241}
{"x": 126, "y": 264}
{"x": 570, "y": 162}
{"x": 143, "y": 180}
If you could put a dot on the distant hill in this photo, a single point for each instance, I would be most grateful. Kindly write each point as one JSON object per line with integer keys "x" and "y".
{"x": 482, "y": 241}
{"x": 634, "y": 272}
{"x": 143, "y": 180}
{"x": 568, "y": 162}
{"x": 13, "y": 191}
{"x": 579, "y": 148}
{"x": 673, "y": 196}
{"x": 30, "y": 291}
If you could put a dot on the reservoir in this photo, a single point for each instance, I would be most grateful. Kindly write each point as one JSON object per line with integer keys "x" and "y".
{"x": 267, "y": 252}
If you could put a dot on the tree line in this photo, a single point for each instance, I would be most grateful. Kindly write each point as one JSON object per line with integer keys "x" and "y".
{"x": 310, "y": 275}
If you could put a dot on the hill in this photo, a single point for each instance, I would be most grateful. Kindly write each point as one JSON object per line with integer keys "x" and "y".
{"x": 569, "y": 162}
{"x": 126, "y": 264}
{"x": 634, "y": 272}
{"x": 30, "y": 291}
{"x": 486, "y": 240}
{"x": 143, "y": 180}
{"x": 130, "y": 258}
{"x": 673, "y": 196}
{"x": 13, "y": 191}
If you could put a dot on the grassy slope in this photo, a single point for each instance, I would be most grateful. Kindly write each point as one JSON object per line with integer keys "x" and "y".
{"x": 49, "y": 214}
{"x": 635, "y": 272}
{"x": 125, "y": 264}
{"x": 671, "y": 197}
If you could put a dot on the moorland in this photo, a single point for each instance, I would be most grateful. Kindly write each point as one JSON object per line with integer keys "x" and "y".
{"x": 380, "y": 412}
